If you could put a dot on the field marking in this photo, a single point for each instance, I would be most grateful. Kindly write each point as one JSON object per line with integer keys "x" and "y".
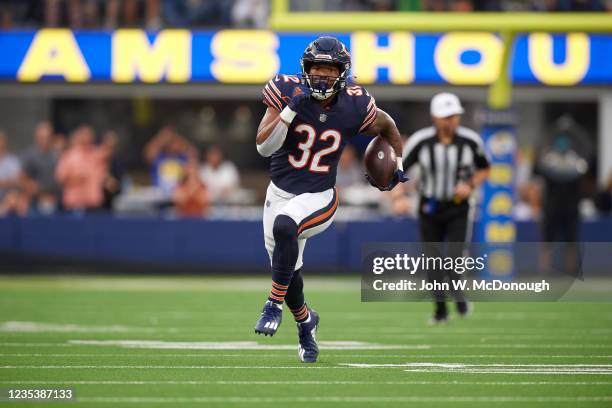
{"x": 164, "y": 367}
{"x": 33, "y": 344}
{"x": 434, "y": 346}
{"x": 313, "y": 399}
{"x": 461, "y": 365}
{"x": 244, "y": 345}
{"x": 305, "y": 382}
{"x": 571, "y": 369}
{"x": 603, "y": 369}
{"x": 284, "y": 355}
{"x": 41, "y": 327}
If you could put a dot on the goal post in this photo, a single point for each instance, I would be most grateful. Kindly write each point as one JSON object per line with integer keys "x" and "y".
{"x": 506, "y": 24}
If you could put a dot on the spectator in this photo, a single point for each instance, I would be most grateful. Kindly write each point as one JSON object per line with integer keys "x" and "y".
{"x": 191, "y": 198}
{"x": 180, "y": 13}
{"x": 12, "y": 197}
{"x": 39, "y": 163}
{"x": 603, "y": 198}
{"x": 462, "y": 6}
{"x": 580, "y": 5}
{"x": 167, "y": 153}
{"x": 250, "y": 13}
{"x": 562, "y": 169}
{"x": 81, "y": 171}
{"x": 220, "y": 175}
{"x": 114, "y": 176}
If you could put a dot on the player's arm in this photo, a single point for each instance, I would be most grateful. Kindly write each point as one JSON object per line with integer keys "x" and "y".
{"x": 273, "y": 127}
{"x": 271, "y": 133}
{"x": 483, "y": 167}
{"x": 385, "y": 126}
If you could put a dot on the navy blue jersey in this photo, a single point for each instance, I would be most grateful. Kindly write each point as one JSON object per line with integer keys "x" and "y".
{"x": 307, "y": 161}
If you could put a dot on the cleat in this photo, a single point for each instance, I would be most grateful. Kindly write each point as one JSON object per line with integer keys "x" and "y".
{"x": 308, "y": 351}
{"x": 271, "y": 317}
{"x": 437, "y": 320}
{"x": 440, "y": 316}
{"x": 464, "y": 308}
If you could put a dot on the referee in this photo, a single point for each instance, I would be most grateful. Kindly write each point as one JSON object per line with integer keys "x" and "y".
{"x": 452, "y": 163}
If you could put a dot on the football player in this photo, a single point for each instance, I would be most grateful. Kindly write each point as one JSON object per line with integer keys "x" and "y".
{"x": 308, "y": 121}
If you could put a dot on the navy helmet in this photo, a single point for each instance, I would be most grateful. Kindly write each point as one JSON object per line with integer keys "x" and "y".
{"x": 325, "y": 50}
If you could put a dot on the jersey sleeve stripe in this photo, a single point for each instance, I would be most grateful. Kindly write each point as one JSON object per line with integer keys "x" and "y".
{"x": 269, "y": 102}
{"x": 367, "y": 124}
{"x": 371, "y": 104}
{"x": 277, "y": 103}
{"x": 370, "y": 118}
{"x": 275, "y": 89}
{"x": 371, "y": 112}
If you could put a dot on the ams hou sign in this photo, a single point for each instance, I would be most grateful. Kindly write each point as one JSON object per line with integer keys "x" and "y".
{"x": 244, "y": 56}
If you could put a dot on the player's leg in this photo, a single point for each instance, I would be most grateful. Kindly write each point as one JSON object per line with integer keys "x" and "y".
{"x": 280, "y": 251}
{"x": 432, "y": 233}
{"x": 313, "y": 212}
{"x": 457, "y": 234}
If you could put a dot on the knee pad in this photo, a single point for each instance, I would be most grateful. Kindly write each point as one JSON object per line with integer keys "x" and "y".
{"x": 284, "y": 229}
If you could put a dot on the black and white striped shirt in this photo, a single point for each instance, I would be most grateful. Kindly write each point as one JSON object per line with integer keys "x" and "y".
{"x": 442, "y": 165}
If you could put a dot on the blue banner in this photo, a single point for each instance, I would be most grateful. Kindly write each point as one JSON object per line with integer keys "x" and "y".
{"x": 497, "y": 226}
{"x": 252, "y": 57}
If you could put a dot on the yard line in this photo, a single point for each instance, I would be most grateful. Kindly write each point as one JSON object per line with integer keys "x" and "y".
{"x": 571, "y": 369}
{"x": 417, "y": 346}
{"x": 243, "y": 345}
{"x": 461, "y": 365}
{"x": 33, "y": 344}
{"x": 507, "y": 371}
{"x": 280, "y": 354}
{"x": 313, "y": 399}
{"x": 199, "y": 382}
{"x": 42, "y": 327}
{"x": 178, "y": 367}
{"x": 545, "y": 368}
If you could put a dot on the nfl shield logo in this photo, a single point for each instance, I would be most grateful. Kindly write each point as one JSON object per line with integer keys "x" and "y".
{"x": 322, "y": 117}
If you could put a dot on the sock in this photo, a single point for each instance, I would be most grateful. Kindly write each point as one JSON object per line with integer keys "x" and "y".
{"x": 284, "y": 257}
{"x": 302, "y": 314}
{"x": 277, "y": 293}
{"x": 295, "y": 298}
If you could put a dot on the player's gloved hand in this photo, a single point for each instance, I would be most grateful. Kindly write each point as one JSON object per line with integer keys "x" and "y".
{"x": 301, "y": 94}
{"x": 398, "y": 177}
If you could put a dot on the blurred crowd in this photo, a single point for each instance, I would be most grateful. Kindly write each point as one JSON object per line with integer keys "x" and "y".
{"x": 454, "y": 5}
{"x": 156, "y": 14}
{"x": 86, "y": 174}
{"x": 149, "y": 14}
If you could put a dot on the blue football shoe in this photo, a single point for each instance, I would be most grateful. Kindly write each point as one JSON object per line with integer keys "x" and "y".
{"x": 271, "y": 317}
{"x": 308, "y": 351}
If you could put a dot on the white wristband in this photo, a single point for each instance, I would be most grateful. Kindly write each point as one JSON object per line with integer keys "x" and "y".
{"x": 287, "y": 115}
{"x": 400, "y": 164}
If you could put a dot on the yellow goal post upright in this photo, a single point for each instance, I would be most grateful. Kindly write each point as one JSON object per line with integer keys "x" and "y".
{"x": 506, "y": 24}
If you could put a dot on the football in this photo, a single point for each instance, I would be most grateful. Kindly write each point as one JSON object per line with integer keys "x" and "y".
{"x": 380, "y": 161}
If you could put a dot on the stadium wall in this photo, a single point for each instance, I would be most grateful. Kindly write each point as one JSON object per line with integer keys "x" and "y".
{"x": 211, "y": 245}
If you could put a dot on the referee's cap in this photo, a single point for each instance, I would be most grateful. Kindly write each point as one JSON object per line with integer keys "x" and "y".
{"x": 445, "y": 104}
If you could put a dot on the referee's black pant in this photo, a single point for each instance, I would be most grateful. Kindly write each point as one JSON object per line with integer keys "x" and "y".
{"x": 447, "y": 222}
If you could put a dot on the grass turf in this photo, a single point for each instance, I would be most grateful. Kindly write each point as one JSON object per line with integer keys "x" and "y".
{"x": 505, "y": 354}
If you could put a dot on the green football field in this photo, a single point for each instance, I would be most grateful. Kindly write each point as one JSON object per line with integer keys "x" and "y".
{"x": 186, "y": 341}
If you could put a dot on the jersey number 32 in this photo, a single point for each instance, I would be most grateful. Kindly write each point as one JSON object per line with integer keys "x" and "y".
{"x": 306, "y": 148}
